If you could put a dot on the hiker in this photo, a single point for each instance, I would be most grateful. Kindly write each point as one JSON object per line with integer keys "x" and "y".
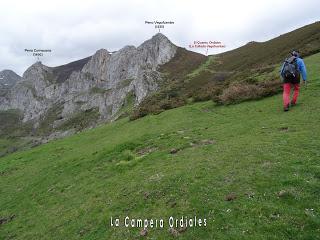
{"x": 290, "y": 73}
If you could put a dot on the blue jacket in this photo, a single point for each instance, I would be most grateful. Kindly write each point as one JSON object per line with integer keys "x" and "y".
{"x": 301, "y": 68}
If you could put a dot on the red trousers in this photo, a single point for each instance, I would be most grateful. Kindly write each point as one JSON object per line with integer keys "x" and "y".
{"x": 287, "y": 91}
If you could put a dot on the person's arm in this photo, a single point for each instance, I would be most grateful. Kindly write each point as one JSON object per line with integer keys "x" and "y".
{"x": 302, "y": 69}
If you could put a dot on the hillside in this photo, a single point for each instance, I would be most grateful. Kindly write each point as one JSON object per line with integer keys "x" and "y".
{"x": 260, "y": 54}
{"x": 250, "y": 169}
{"x": 251, "y": 66}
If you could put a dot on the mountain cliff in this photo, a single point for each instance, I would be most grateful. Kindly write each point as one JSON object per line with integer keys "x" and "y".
{"x": 101, "y": 83}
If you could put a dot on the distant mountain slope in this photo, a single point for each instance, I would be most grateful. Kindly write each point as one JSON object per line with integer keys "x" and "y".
{"x": 8, "y": 79}
{"x": 63, "y": 72}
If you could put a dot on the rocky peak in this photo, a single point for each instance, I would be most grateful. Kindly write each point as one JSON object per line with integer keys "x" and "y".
{"x": 8, "y": 79}
{"x": 96, "y": 66}
{"x": 159, "y": 37}
{"x": 157, "y": 40}
{"x": 158, "y": 50}
{"x": 101, "y": 52}
{"x": 35, "y": 69}
{"x": 126, "y": 49}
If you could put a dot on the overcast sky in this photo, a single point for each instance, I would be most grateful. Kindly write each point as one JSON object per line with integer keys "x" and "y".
{"x": 77, "y": 29}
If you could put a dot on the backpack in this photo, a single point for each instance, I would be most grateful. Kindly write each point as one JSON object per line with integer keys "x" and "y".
{"x": 290, "y": 70}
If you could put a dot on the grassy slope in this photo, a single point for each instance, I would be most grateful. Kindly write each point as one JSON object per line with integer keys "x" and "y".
{"x": 192, "y": 77}
{"x": 305, "y": 39}
{"x": 69, "y": 188}
{"x": 13, "y": 132}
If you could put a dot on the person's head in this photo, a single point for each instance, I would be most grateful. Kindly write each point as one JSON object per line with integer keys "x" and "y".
{"x": 295, "y": 53}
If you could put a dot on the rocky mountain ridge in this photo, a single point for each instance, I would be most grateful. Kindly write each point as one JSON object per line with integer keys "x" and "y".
{"x": 102, "y": 82}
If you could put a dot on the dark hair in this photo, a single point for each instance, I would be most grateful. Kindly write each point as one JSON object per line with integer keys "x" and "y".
{"x": 295, "y": 53}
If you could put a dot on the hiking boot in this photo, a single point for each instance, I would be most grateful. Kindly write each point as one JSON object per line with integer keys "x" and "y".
{"x": 286, "y": 108}
{"x": 292, "y": 104}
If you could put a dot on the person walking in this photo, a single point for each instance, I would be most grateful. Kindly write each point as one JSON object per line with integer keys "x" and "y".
{"x": 290, "y": 72}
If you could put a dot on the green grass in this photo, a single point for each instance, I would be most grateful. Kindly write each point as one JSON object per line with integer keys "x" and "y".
{"x": 128, "y": 105}
{"x": 13, "y": 131}
{"x": 69, "y": 188}
{"x": 81, "y": 120}
{"x": 202, "y": 67}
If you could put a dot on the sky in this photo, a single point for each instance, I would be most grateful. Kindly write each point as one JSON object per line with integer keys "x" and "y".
{"x": 76, "y": 29}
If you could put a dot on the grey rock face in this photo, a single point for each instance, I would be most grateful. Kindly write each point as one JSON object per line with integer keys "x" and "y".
{"x": 103, "y": 82}
{"x": 8, "y": 79}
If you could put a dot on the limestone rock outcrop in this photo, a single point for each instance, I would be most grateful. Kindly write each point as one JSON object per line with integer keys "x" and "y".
{"x": 102, "y": 81}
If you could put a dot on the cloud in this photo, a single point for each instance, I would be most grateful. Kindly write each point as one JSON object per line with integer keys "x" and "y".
{"x": 76, "y": 29}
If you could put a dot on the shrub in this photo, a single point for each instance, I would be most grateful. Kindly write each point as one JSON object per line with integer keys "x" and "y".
{"x": 157, "y": 105}
{"x": 207, "y": 92}
{"x": 239, "y": 92}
